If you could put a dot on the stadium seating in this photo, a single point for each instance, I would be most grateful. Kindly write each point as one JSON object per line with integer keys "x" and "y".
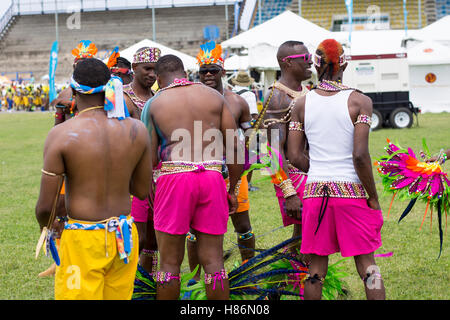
{"x": 27, "y": 45}
{"x": 271, "y": 8}
{"x": 321, "y": 11}
{"x": 442, "y": 8}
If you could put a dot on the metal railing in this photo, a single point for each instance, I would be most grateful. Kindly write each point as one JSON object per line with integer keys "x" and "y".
{"x": 4, "y": 21}
{"x": 28, "y": 7}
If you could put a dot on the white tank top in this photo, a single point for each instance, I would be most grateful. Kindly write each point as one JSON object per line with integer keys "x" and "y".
{"x": 329, "y": 130}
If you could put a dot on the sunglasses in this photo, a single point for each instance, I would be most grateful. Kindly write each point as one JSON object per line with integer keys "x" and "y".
{"x": 318, "y": 60}
{"x": 307, "y": 57}
{"x": 115, "y": 70}
{"x": 211, "y": 71}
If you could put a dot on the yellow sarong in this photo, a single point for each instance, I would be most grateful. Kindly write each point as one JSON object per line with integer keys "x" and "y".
{"x": 90, "y": 267}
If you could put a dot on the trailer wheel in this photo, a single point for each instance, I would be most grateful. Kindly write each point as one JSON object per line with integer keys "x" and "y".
{"x": 401, "y": 118}
{"x": 377, "y": 120}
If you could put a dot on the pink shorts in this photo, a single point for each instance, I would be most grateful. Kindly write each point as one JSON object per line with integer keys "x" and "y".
{"x": 195, "y": 200}
{"x": 298, "y": 181}
{"x": 348, "y": 226}
{"x": 140, "y": 210}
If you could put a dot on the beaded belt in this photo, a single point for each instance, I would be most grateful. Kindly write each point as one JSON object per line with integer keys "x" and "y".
{"x": 340, "y": 189}
{"x": 121, "y": 226}
{"x": 172, "y": 167}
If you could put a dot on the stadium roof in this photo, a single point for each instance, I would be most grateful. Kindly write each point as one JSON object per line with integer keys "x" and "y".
{"x": 284, "y": 27}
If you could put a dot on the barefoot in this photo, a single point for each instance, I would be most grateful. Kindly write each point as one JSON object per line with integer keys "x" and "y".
{"x": 49, "y": 272}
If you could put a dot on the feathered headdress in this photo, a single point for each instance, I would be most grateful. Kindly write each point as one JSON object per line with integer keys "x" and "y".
{"x": 112, "y": 61}
{"x": 210, "y": 52}
{"x": 85, "y": 49}
{"x": 407, "y": 177}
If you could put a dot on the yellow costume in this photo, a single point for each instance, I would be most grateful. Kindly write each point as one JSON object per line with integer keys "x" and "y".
{"x": 91, "y": 267}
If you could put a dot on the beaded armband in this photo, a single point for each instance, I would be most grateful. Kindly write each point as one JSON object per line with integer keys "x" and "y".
{"x": 212, "y": 278}
{"x": 281, "y": 180}
{"x": 296, "y": 126}
{"x": 363, "y": 118}
{"x": 164, "y": 277}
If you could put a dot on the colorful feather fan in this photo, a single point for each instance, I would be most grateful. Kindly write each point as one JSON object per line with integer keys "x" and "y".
{"x": 112, "y": 61}
{"x": 85, "y": 49}
{"x": 407, "y": 177}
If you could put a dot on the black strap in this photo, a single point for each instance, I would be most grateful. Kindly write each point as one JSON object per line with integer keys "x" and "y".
{"x": 242, "y": 91}
{"x": 323, "y": 208}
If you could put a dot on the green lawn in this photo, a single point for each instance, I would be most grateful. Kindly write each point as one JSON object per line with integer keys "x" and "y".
{"x": 413, "y": 272}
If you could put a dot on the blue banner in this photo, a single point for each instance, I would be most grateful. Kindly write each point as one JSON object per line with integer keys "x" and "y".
{"x": 52, "y": 70}
{"x": 236, "y": 17}
{"x": 405, "y": 16}
{"x": 349, "y": 4}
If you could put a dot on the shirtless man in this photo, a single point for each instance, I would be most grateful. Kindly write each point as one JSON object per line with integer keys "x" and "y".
{"x": 190, "y": 189}
{"x": 139, "y": 90}
{"x": 66, "y": 109}
{"x": 211, "y": 75}
{"x": 103, "y": 160}
{"x": 295, "y": 62}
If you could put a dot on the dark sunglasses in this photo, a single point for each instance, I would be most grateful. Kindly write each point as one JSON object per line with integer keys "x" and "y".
{"x": 211, "y": 71}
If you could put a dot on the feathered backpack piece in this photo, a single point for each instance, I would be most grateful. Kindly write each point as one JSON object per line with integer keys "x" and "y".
{"x": 407, "y": 177}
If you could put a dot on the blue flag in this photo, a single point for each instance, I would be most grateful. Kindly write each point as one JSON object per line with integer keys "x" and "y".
{"x": 405, "y": 16}
{"x": 52, "y": 70}
{"x": 349, "y": 4}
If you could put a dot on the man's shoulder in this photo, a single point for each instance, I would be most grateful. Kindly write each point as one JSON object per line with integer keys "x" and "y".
{"x": 358, "y": 98}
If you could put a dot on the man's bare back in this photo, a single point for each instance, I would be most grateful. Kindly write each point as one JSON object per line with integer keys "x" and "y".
{"x": 100, "y": 157}
{"x": 193, "y": 105}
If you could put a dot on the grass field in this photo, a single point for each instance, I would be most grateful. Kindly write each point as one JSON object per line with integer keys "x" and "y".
{"x": 413, "y": 272}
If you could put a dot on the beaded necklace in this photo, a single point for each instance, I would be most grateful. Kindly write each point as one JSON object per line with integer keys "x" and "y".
{"x": 291, "y": 93}
{"x": 179, "y": 83}
{"x": 332, "y": 86}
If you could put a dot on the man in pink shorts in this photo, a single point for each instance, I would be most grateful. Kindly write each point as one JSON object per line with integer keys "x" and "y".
{"x": 190, "y": 189}
{"x": 295, "y": 67}
{"x": 341, "y": 212}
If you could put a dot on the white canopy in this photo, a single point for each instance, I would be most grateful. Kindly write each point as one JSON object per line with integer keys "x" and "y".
{"x": 284, "y": 27}
{"x": 437, "y": 31}
{"x": 263, "y": 40}
{"x": 366, "y": 42}
{"x": 429, "y": 53}
{"x": 236, "y": 62}
{"x": 190, "y": 63}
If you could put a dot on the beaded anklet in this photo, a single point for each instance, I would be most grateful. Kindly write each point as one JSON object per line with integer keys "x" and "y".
{"x": 221, "y": 275}
{"x": 165, "y": 277}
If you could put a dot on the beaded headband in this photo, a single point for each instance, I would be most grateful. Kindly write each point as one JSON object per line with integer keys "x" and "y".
{"x": 148, "y": 55}
{"x": 318, "y": 60}
{"x": 210, "y": 53}
{"x": 85, "y": 49}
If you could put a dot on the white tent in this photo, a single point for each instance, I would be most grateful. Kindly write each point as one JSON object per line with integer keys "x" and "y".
{"x": 263, "y": 40}
{"x": 429, "y": 72}
{"x": 190, "y": 63}
{"x": 437, "y": 31}
{"x": 236, "y": 62}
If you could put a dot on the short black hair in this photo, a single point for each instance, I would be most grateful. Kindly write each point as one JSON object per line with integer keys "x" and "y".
{"x": 169, "y": 64}
{"x": 91, "y": 72}
{"x": 291, "y": 43}
{"x": 123, "y": 61}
